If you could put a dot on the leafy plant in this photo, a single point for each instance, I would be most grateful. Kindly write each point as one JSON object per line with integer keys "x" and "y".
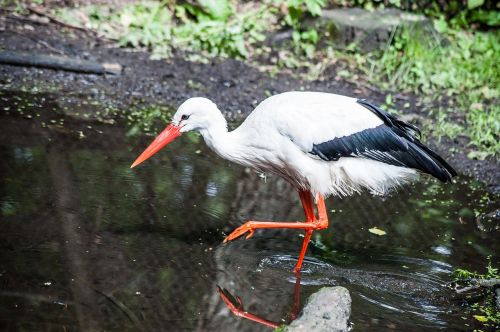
{"x": 145, "y": 24}
{"x": 209, "y": 10}
{"x": 463, "y": 275}
{"x": 296, "y": 9}
{"x": 303, "y": 40}
{"x": 464, "y": 66}
{"x": 218, "y": 30}
{"x": 211, "y": 27}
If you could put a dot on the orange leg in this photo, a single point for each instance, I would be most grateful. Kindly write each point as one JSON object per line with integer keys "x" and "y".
{"x": 303, "y": 251}
{"x": 236, "y": 305}
{"x": 296, "y": 298}
{"x": 307, "y": 204}
{"x": 312, "y": 223}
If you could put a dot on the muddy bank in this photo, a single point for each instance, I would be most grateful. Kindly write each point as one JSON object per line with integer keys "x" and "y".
{"x": 235, "y": 86}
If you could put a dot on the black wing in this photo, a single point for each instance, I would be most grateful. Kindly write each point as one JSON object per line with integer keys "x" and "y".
{"x": 395, "y": 142}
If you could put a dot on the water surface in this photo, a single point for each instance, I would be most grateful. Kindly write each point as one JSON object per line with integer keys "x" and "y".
{"x": 89, "y": 244}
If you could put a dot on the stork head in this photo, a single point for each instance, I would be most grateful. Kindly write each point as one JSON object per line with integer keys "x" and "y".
{"x": 194, "y": 114}
{"x": 197, "y": 113}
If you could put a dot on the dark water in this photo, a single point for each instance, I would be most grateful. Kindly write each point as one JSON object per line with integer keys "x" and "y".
{"x": 89, "y": 244}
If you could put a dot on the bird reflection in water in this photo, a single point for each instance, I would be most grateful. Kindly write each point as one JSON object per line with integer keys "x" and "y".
{"x": 235, "y": 304}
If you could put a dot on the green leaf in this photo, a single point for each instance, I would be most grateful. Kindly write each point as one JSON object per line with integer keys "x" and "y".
{"x": 377, "y": 231}
{"x": 240, "y": 47}
{"x": 471, "y": 4}
{"x": 388, "y": 99}
{"x": 488, "y": 17}
{"x": 314, "y": 6}
{"x": 440, "y": 25}
{"x": 478, "y": 155}
{"x": 482, "y": 319}
{"x": 219, "y": 10}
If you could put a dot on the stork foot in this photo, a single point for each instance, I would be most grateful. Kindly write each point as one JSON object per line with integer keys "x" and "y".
{"x": 246, "y": 227}
{"x": 233, "y": 304}
{"x": 311, "y": 224}
{"x": 236, "y": 307}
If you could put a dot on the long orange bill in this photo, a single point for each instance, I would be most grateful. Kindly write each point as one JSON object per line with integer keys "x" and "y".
{"x": 166, "y": 136}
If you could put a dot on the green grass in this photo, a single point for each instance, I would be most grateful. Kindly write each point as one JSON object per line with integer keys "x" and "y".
{"x": 460, "y": 73}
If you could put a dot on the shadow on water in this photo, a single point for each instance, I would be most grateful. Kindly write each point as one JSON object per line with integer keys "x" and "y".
{"x": 89, "y": 244}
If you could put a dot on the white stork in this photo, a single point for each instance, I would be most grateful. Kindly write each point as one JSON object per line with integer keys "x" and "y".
{"x": 323, "y": 144}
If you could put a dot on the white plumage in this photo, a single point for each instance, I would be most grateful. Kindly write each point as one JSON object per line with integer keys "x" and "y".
{"x": 278, "y": 137}
{"x": 323, "y": 144}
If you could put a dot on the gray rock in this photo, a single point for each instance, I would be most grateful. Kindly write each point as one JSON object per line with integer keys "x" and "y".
{"x": 327, "y": 310}
{"x": 368, "y": 29}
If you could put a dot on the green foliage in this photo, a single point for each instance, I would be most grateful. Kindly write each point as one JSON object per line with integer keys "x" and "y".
{"x": 462, "y": 275}
{"x": 489, "y": 316}
{"x": 145, "y": 24}
{"x": 444, "y": 127}
{"x": 486, "y": 312}
{"x": 490, "y": 18}
{"x": 296, "y": 9}
{"x": 304, "y": 41}
{"x": 203, "y": 26}
{"x": 464, "y": 68}
{"x": 218, "y": 30}
{"x": 210, "y": 10}
{"x": 211, "y": 27}
{"x": 485, "y": 125}
{"x": 281, "y": 328}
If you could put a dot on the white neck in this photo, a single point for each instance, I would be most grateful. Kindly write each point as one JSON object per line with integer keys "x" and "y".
{"x": 224, "y": 143}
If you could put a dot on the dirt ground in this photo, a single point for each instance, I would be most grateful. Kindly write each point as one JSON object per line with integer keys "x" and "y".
{"x": 235, "y": 86}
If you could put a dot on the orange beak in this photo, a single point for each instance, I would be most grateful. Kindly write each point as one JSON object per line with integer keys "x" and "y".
{"x": 166, "y": 136}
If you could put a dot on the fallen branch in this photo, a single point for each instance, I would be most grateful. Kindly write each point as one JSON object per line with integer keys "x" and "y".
{"x": 59, "y": 62}
{"x": 478, "y": 283}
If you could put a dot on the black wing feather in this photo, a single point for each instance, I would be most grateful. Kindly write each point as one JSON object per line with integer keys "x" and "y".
{"x": 395, "y": 142}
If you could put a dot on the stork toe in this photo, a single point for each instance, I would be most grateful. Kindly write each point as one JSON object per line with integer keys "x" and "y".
{"x": 233, "y": 304}
{"x": 239, "y": 232}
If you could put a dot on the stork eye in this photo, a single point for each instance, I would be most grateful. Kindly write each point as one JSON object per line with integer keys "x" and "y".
{"x": 184, "y": 117}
